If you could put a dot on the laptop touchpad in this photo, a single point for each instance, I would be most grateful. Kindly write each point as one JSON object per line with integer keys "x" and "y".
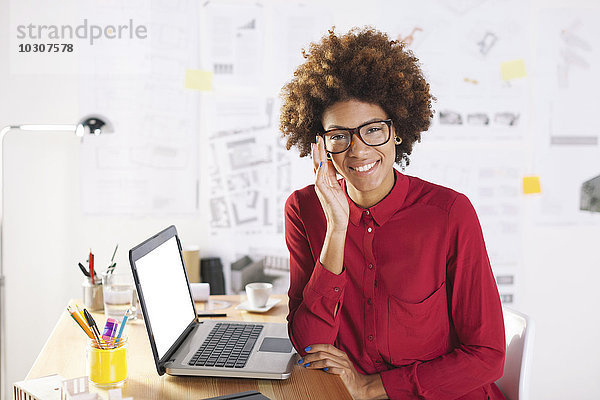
{"x": 276, "y": 345}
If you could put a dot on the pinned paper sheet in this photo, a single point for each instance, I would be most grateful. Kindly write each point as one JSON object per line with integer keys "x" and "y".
{"x": 199, "y": 80}
{"x": 513, "y": 69}
{"x": 531, "y": 184}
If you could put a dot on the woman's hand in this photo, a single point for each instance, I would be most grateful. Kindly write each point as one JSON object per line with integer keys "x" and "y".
{"x": 330, "y": 193}
{"x": 334, "y": 361}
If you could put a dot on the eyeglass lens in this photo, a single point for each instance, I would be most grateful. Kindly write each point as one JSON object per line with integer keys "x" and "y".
{"x": 373, "y": 134}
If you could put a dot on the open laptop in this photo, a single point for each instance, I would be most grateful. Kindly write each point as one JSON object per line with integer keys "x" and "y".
{"x": 184, "y": 345}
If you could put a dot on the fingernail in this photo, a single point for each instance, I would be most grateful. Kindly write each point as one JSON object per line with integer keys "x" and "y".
{"x": 317, "y": 139}
{"x": 307, "y": 365}
{"x": 321, "y": 163}
{"x": 326, "y": 369}
{"x": 300, "y": 361}
{"x": 308, "y": 348}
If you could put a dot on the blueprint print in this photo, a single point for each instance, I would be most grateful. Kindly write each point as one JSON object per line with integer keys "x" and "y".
{"x": 149, "y": 164}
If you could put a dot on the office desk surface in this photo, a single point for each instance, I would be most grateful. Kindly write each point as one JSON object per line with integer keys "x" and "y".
{"x": 64, "y": 354}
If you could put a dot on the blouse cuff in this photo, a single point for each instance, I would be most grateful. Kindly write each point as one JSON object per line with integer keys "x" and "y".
{"x": 401, "y": 382}
{"x": 325, "y": 283}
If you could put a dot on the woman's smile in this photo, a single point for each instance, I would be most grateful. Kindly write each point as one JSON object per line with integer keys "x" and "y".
{"x": 364, "y": 168}
{"x": 368, "y": 170}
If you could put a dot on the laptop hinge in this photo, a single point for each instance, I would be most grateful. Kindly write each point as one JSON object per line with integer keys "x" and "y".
{"x": 169, "y": 354}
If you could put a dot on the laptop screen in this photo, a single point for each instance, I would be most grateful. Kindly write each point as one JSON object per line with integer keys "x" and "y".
{"x": 166, "y": 295}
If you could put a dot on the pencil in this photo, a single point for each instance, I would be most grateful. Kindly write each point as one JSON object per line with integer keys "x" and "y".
{"x": 82, "y": 325}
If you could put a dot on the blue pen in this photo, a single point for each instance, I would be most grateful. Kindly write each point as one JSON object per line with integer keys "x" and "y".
{"x": 118, "y": 338}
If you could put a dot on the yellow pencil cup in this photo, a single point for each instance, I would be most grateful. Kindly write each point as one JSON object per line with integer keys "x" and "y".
{"x": 107, "y": 366}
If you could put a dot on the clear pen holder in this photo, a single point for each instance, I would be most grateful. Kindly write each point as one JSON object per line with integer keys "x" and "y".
{"x": 107, "y": 366}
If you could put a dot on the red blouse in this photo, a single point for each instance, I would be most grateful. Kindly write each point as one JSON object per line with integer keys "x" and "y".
{"x": 418, "y": 300}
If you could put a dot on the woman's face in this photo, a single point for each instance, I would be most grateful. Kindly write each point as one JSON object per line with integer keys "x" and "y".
{"x": 368, "y": 170}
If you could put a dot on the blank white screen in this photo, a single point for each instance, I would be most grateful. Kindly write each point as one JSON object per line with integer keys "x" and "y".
{"x": 164, "y": 286}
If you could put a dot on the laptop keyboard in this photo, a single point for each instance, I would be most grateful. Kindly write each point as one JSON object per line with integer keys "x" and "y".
{"x": 227, "y": 345}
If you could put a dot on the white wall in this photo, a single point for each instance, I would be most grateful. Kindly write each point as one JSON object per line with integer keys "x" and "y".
{"x": 45, "y": 234}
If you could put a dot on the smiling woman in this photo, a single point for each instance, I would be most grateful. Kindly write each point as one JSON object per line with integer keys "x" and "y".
{"x": 391, "y": 287}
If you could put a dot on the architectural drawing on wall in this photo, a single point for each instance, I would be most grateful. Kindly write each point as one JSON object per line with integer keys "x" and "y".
{"x": 566, "y": 171}
{"x": 149, "y": 165}
{"x": 568, "y": 137}
{"x": 233, "y": 39}
{"x": 249, "y": 168}
{"x": 566, "y": 75}
{"x": 478, "y": 119}
{"x": 574, "y": 50}
{"x": 160, "y": 156}
{"x": 506, "y": 118}
{"x": 297, "y": 23}
{"x": 448, "y": 117}
{"x": 487, "y": 42}
{"x": 247, "y": 152}
{"x": 485, "y": 35}
{"x": 590, "y": 195}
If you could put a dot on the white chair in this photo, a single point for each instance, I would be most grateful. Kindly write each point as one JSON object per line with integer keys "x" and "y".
{"x": 520, "y": 330}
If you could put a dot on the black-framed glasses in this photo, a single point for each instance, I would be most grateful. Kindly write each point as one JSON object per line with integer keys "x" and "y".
{"x": 375, "y": 133}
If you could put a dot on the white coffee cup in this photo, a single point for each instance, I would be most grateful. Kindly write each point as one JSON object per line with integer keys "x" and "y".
{"x": 258, "y": 293}
{"x": 200, "y": 291}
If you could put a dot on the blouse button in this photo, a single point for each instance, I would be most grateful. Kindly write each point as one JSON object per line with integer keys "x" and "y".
{"x": 367, "y": 212}
{"x": 370, "y": 337}
{"x": 370, "y": 266}
{"x": 370, "y": 230}
{"x": 370, "y": 301}
{"x": 336, "y": 289}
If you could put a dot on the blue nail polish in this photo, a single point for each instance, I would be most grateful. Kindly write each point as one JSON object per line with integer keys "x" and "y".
{"x": 307, "y": 365}
{"x": 321, "y": 163}
{"x": 308, "y": 348}
{"x": 326, "y": 369}
{"x": 300, "y": 361}
{"x": 317, "y": 139}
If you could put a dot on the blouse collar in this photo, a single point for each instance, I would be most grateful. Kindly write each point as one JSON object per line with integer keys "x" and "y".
{"x": 387, "y": 207}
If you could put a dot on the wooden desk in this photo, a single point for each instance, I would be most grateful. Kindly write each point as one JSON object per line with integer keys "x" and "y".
{"x": 64, "y": 354}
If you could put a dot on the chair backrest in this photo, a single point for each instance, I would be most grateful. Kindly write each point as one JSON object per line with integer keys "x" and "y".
{"x": 519, "y": 329}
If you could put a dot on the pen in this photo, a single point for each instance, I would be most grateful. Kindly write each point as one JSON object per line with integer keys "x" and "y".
{"x": 118, "y": 338}
{"x": 91, "y": 260}
{"x": 212, "y": 315}
{"x": 113, "y": 256}
{"x": 82, "y": 268}
{"x": 92, "y": 324}
{"x": 112, "y": 265}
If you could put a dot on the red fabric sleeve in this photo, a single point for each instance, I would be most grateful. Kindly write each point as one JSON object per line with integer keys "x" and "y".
{"x": 476, "y": 312}
{"x": 314, "y": 291}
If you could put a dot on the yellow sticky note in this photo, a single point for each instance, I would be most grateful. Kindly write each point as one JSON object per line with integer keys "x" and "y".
{"x": 531, "y": 184}
{"x": 513, "y": 69}
{"x": 199, "y": 80}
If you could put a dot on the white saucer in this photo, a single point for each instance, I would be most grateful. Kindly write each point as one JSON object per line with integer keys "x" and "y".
{"x": 246, "y": 306}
